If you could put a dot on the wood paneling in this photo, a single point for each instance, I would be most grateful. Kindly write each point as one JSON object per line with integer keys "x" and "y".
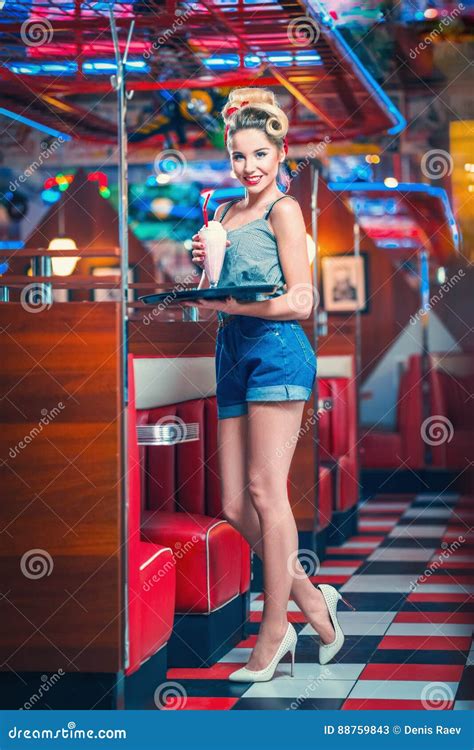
{"x": 61, "y": 488}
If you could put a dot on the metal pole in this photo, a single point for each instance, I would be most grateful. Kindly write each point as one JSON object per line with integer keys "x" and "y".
{"x": 42, "y": 266}
{"x": 118, "y": 83}
{"x": 314, "y": 231}
{"x": 356, "y": 231}
{"x": 358, "y": 335}
{"x": 358, "y": 356}
{"x": 425, "y": 319}
{"x": 4, "y": 290}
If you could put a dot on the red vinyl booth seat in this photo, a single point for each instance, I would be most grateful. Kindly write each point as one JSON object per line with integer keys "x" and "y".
{"x": 151, "y": 569}
{"x": 338, "y": 449}
{"x": 385, "y": 449}
{"x": 182, "y": 510}
{"x": 208, "y": 554}
{"x": 325, "y": 497}
{"x": 452, "y": 418}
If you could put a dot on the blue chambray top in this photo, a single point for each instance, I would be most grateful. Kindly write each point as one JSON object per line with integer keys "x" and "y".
{"x": 252, "y": 257}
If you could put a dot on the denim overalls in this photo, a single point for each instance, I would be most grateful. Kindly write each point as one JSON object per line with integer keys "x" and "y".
{"x": 258, "y": 359}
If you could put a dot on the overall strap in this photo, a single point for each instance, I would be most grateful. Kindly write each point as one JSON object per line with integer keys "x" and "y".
{"x": 226, "y": 208}
{"x": 278, "y": 199}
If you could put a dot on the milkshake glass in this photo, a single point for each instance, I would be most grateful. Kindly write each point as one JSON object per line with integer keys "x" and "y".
{"x": 214, "y": 237}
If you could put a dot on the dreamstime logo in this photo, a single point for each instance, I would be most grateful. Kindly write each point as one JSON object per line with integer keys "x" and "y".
{"x": 433, "y": 35}
{"x": 173, "y": 429}
{"x": 46, "y": 419}
{"x": 436, "y": 164}
{"x": 310, "y": 422}
{"x": 35, "y": 298}
{"x": 182, "y": 16}
{"x": 45, "y": 153}
{"x": 310, "y": 687}
{"x": 437, "y": 564}
{"x": 302, "y": 295}
{"x": 180, "y": 551}
{"x": 170, "y": 695}
{"x": 46, "y": 684}
{"x": 303, "y": 563}
{"x": 168, "y": 300}
{"x": 436, "y": 696}
{"x": 303, "y": 31}
{"x": 36, "y": 563}
{"x": 313, "y": 150}
{"x": 435, "y": 298}
{"x": 170, "y": 163}
{"x": 36, "y": 32}
{"x": 437, "y": 430}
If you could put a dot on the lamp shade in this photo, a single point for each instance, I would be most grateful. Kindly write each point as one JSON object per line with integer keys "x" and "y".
{"x": 63, "y": 266}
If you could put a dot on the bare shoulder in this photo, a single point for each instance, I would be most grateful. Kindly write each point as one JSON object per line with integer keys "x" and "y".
{"x": 286, "y": 212}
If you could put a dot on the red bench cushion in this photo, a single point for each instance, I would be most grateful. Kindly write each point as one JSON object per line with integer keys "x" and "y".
{"x": 208, "y": 558}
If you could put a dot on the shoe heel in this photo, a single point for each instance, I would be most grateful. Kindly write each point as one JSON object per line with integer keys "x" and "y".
{"x": 348, "y": 604}
{"x": 293, "y": 662}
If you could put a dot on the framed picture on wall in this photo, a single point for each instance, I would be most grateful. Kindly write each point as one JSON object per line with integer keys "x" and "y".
{"x": 344, "y": 283}
{"x": 111, "y": 295}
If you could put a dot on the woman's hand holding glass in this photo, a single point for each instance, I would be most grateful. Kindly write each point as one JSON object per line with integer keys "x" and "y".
{"x": 199, "y": 252}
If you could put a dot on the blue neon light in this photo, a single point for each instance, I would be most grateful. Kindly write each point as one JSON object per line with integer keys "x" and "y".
{"x": 403, "y": 187}
{"x": 400, "y": 122}
{"x": 92, "y": 67}
{"x": 50, "y": 195}
{"x": 12, "y": 245}
{"x": 104, "y": 67}
{"x": 279, "y": 59}
{"x": 34, "y": 124}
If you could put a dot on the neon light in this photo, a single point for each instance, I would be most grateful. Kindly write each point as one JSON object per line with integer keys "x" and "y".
{"x": 50, "y": 196}
{"x": 279, "y": 59}
{"x": 400, "y": 122}
{"x": 33, "y": 124}
{"x": 403, "y": 187}
{"x": 12, "y": 245}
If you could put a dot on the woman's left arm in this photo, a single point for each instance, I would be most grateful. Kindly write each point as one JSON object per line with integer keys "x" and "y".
{"x": 298, "y": 301}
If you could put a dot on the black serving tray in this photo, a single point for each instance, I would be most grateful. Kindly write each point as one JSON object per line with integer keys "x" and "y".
{"x": 238, "y": 292}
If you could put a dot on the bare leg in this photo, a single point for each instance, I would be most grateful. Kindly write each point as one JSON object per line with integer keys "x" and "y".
{"x": 241, "y": 514}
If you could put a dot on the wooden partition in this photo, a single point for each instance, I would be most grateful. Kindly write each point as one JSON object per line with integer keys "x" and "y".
{"x": 60, "y": 514}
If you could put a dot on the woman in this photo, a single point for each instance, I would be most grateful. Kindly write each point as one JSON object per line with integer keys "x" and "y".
{"x": 265, "y": 371}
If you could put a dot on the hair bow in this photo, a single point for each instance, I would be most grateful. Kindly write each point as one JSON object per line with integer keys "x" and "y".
{"x": 230, "y": 112}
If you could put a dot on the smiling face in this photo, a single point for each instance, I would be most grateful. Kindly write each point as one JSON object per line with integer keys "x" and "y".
{"x": 255, "y": 159}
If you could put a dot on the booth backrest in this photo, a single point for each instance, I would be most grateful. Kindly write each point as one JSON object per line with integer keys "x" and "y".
{"x": 452, "y": 397}
{"x": 183, "y": 477}
{"x": 179, "y": 391}
{"x": 324, "y": 420}
{"x": 343, "y": 416}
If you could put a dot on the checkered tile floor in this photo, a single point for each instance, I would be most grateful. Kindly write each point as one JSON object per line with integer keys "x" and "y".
{"x": 409, "y": 645}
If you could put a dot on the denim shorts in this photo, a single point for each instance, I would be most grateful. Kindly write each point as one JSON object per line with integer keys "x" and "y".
{"x": 258, "y": 359}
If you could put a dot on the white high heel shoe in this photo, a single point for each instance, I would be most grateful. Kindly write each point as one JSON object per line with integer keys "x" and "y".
{"x": 328, "y": 651}
{"x": 262, "y": 675}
